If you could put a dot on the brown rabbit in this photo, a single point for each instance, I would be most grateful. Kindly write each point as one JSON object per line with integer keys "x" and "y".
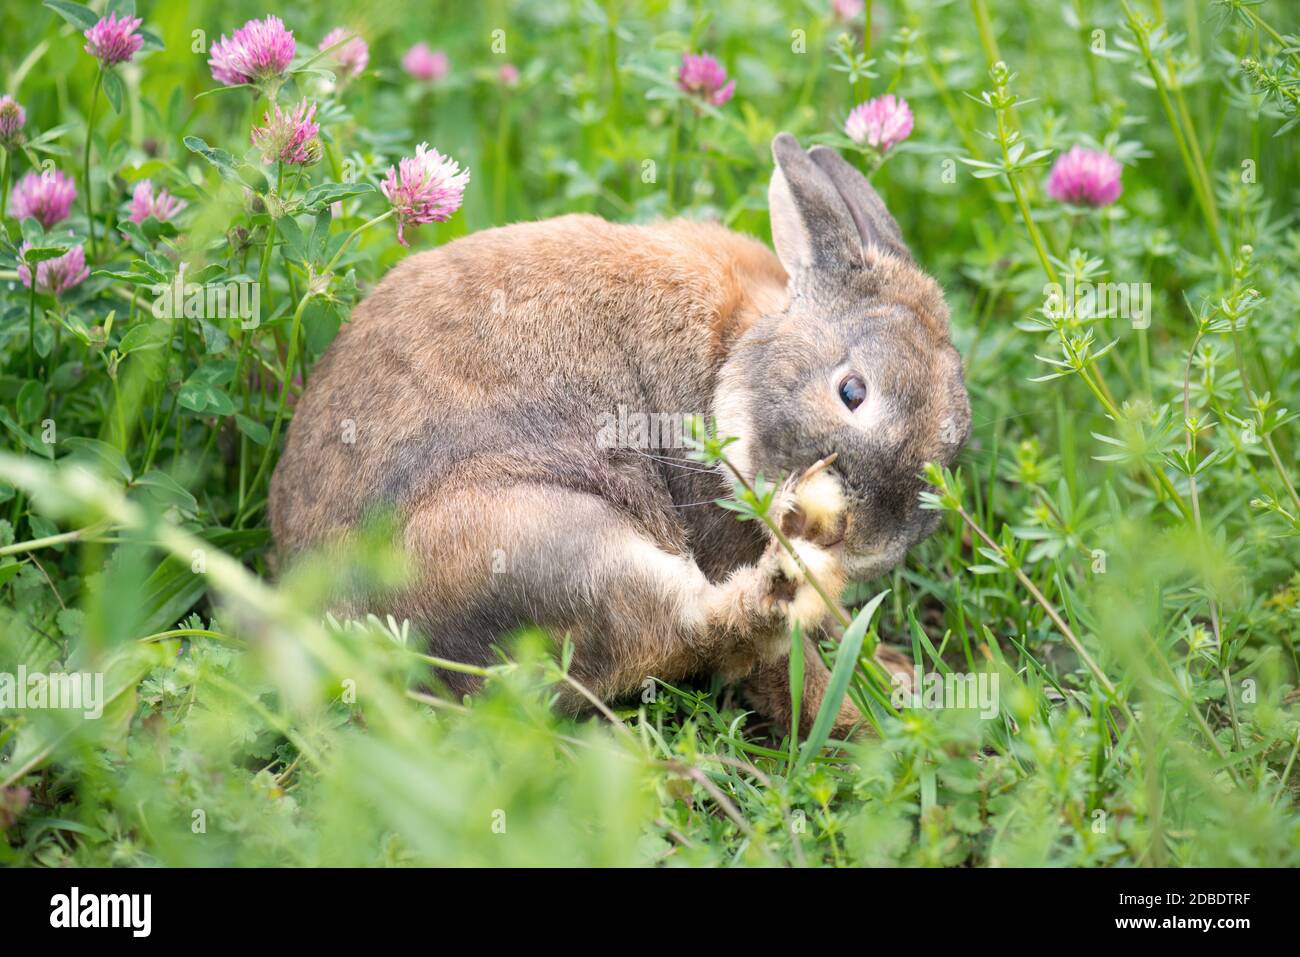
{"x": 475, "y": 389}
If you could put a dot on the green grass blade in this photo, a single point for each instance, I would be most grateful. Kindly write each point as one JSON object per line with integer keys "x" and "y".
{"x": 845, "y": 663}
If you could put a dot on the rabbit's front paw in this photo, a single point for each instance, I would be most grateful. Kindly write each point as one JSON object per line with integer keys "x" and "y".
{"x": 759, "y": 604}
{"x": 812, "y": 507}
{"x": 803, "y": 585}
{"x": 787, "y": 595}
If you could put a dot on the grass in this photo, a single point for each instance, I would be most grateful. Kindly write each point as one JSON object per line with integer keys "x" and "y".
{"x": 1120, "y": 538}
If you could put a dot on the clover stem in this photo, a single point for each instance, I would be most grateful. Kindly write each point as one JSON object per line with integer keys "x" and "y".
{"x": 31, "y": 323}
{"x": 286, "y": 380}
{"x": 90, "y": 128}
{"x": 329, "y": 266}
{"x": 5, "y": 168}
{"x": 264, "y": 270}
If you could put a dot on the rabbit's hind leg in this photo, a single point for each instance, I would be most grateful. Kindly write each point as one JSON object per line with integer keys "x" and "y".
{"x": 767, "y": 690}
{"x": 572, "y": 563}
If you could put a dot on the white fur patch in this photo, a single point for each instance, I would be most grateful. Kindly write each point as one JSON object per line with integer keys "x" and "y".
{"x": 821, "y": 499}
{"x": 789, "y": 236}
{"x": 807, "y": 609}
{"x": 679, "y": 579}
{"x": 732, "y": 419}
{"x": 949, "y": 434}
{"x": 877, "y": 414}
{"x": 816, "y": 559}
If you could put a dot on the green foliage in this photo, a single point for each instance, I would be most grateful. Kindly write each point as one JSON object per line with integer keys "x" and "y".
{"x": 1119, "y": 547}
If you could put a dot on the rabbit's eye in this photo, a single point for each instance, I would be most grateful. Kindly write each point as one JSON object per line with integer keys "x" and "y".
{"x": 853, "y": 391}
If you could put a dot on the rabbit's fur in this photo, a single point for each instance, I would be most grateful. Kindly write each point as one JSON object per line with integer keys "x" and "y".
{"x": 469, "y": 390}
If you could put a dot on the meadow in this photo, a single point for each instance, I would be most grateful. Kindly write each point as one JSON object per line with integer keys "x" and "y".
{"x": 1105, "y": 189}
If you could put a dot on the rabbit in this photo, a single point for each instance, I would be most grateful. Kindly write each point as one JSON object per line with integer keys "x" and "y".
{"x": 472, "y": 394}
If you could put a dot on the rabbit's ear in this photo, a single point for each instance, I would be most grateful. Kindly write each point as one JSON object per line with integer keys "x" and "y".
{"x": 812, "y": 227}
{"x": 874, "y": 223}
